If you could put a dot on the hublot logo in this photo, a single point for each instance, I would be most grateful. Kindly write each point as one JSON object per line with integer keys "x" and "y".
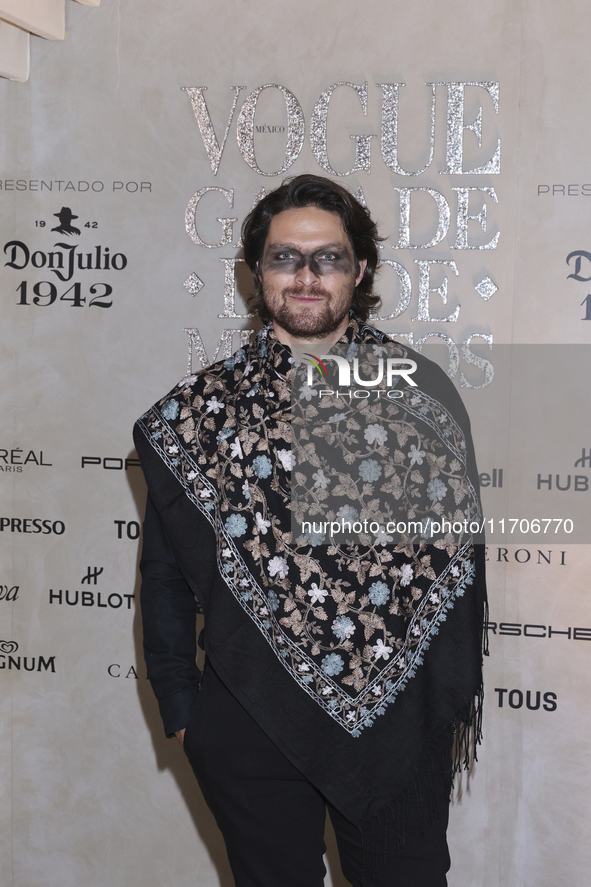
{"x": 579, "y": 483}
{"x": 575, "y": 483}
{"x": 101, "y": 600}
{"x": 91, "y": 576}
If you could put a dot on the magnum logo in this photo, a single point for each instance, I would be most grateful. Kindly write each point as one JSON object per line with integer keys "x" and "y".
{"x": 26, "y": 663}
{"x": 8, "y": 646}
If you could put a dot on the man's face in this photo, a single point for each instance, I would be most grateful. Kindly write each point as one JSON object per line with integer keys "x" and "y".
{"x": 307, "y": 275}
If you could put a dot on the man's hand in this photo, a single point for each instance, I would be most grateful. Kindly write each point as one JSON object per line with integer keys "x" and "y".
{"x": 180, "y": 735}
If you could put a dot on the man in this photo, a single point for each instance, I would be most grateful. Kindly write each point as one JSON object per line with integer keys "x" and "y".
{"x": 346, "y": 675}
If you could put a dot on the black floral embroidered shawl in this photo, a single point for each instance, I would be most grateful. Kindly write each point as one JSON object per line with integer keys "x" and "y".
{"x": 362, "y": 662}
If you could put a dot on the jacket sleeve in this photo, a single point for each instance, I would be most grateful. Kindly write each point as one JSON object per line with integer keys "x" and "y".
{"x": 169, "y": 610}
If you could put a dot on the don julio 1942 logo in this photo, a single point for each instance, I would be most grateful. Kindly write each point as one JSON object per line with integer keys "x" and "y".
{"x": 63, "y": 261}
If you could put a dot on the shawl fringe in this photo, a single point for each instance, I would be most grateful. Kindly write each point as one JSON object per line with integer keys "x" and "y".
{"x": 455, "y": 750}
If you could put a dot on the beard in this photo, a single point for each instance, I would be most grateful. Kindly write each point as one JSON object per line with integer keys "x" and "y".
{"x": 315, "y": 321}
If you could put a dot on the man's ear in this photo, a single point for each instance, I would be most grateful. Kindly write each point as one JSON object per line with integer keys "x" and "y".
{"x": 362, "y": 265}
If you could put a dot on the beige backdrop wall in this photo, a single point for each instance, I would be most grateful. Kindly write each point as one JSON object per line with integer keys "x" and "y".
{"x": 112, "y": 136}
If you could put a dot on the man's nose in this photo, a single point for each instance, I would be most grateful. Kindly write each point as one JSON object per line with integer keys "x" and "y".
{"x": 307, "y": 272}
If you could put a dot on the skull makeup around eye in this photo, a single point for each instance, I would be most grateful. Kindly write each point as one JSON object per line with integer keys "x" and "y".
{"x": 327, "y": 260}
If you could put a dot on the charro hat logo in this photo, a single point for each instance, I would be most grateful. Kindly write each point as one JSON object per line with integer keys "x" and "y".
{"x": 65, "y": 215}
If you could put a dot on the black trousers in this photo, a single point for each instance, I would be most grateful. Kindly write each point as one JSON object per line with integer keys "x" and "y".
{"x": 272, "y": 819}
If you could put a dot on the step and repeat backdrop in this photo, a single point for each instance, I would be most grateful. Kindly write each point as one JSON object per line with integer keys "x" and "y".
{"x": 129, "y": 160}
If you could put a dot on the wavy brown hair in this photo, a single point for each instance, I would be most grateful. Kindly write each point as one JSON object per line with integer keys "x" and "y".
{"x": 309, "y": 190}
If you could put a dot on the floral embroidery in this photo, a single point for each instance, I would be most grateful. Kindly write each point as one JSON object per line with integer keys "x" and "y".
{"x": 262, "y": 524}
{"x": 278, "y": 567}
{"x": 332, "y": 664}
{"x": 315, "y": 537}
{"x": 320, "y": 480}
{"x": 343, "y": 628}
{"x": 381, "y": 650}
{"x": 273, "y": 600}
{"x": 307, "y": 393}
{"x": 317, "y": 595}
{"x": 170, "y": 409}
{"x": 375, "y": 434}
{"x": 287, "y": 459}
{"x": 214, "y": 405}
{"x": 405, "y": 574}
{"x": 351, "y": 623}
{"x": 370, "y": 470}
{"x": 236, "y": 449}
{"x": 416, "y": 456}
{"x": 262, "y": 466}
{"x": 436, "y": 490}
{"x": 236, "y": 525}
{"x": 379, "y": 593}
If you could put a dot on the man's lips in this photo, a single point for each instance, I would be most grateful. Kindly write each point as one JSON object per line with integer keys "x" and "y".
{"x": 305, "y": 297}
